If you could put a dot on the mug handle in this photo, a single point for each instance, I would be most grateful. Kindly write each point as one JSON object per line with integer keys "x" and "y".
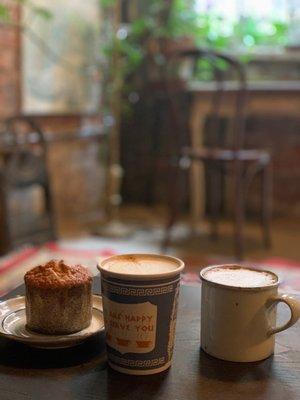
{"x": 294, "y": 306}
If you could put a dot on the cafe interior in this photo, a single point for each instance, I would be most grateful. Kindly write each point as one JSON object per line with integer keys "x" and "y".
{"x": 166, "y": 126}
{"x": 149, "y": 199}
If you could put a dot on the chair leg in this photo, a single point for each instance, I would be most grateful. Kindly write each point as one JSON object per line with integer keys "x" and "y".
{"x": 266, "y": 217}
{"x": 50, "y": 212}
{"x": 214, "y": 201}
{"x": 239, "y": 212}
{"x": 175, "y": 194}
{"x": 5, "y": 239}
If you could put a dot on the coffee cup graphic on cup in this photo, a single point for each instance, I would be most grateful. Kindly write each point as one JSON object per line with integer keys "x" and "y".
{"x": 140, "y": 295}
{"x": 238, "y": 312}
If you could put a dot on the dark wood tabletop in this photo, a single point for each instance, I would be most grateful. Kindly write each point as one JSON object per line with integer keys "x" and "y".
{"x": 81, "y": 372}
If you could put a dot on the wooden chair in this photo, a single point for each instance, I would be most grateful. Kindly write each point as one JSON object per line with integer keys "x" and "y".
{"x": 242, "y": 164}
{"x": 24, "y": 164}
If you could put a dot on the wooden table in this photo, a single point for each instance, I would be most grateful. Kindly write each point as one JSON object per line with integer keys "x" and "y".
{"x": 81, "y": 372}
{"x": 263, "y": 98}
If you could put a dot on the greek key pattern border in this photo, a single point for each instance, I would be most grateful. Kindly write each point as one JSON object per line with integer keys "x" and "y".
{"x": 137, "y": 292}
{"x": 155, "y": 362}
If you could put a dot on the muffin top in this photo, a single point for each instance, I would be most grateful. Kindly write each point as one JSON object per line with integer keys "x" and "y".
{"x": 56, "y": 274}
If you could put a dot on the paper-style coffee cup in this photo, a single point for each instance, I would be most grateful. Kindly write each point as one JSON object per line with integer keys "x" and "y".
{"x": 140, "y": 295}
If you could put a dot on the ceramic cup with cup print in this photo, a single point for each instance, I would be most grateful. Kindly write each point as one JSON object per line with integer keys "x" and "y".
{"x": 238, "y": 312}
{"x": 140, "y": 295}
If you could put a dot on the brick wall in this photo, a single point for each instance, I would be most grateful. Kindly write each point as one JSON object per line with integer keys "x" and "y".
{"x": 9, "y": 68}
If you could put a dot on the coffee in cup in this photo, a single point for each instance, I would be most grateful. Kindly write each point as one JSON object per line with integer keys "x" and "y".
{"x": 239, "y": 276}
{"x": 140, "y": 294}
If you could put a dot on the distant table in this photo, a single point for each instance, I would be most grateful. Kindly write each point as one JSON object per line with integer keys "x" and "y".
{"x": 81, "y": 372}
{"x": 263, "y": 98}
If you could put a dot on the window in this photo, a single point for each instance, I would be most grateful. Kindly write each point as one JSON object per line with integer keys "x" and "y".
{"x": 235, "y": 9}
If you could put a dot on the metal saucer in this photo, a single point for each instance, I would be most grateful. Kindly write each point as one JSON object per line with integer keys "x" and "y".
{"x": 13, "y": 326}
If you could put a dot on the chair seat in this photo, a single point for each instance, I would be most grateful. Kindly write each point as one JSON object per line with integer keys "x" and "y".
{"x": 216, "y": 154}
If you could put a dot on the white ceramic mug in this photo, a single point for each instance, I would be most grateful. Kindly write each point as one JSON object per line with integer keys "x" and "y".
{"x": 238, "y": 323}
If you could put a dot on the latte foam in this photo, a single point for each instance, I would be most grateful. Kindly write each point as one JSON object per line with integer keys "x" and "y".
{"x": 239, "y": 276}
{"x": 139, "y": 264}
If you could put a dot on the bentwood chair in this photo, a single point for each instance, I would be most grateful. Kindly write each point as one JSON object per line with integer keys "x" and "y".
{"x": 233, "y": 159}
{"x": 24, "y": 167}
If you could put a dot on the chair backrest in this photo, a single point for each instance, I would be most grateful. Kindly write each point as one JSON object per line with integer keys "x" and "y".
{"x": 26, "y": 162}
{"x": 21, "y": 130}
{"x": 184, "y": 66}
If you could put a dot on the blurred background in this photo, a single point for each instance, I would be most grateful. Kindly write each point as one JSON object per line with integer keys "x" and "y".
{"x": 157, "y": 126}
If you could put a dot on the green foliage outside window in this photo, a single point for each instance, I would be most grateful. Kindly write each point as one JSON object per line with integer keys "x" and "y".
{"x": 206, "y": 30}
